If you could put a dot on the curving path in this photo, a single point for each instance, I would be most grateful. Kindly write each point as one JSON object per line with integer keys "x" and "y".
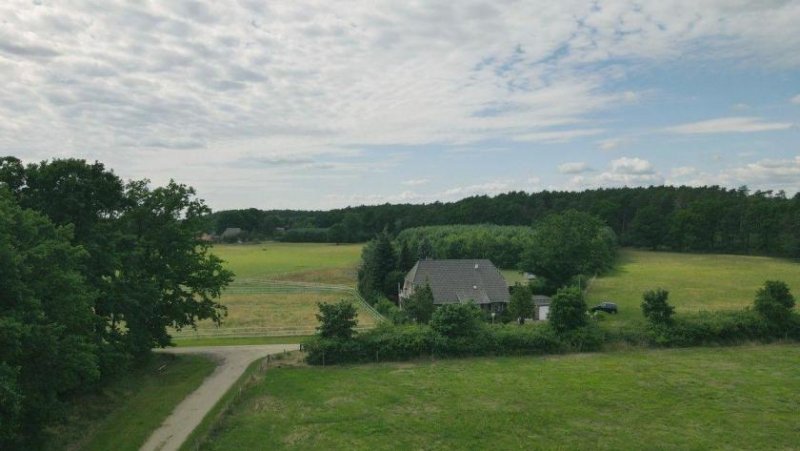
{"x": 233, "y": 361}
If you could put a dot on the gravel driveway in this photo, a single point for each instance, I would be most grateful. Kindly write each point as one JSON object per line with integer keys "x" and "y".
{"x": 233, "y": 361}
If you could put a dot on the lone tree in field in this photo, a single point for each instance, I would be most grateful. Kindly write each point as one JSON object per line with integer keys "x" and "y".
{"x": 656, "y": 308}
{"x": 774, "y": 301}
{"x": 336, "y": 321}
{"x": 567, "y": 310}
{"x": 521, "y": 303}
{"x": 419, "y": 305}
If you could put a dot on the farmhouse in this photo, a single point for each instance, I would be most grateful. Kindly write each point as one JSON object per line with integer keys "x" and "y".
{"x": 459, "y": 281}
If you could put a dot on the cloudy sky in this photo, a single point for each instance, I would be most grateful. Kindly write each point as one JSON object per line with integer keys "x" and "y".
{"x": 301, "y": 104}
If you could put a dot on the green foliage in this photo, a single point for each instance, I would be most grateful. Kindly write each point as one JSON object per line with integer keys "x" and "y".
{"x": 47, "y": 348}
{"x": 656, "y": 308}
{"x": 521, "y": 304}
{"x": 503, "y": 245}
{"x": 336, "y": 321}
{"x": 457, "y": 320}
{"x": 691, "y": 219}
{"x": 377, "y": 275}
{"x": 567, "y": 310}
{"x": 390, "y": 311}
{"x": 92, "y": 273}
{"x": 649, "y": 227}
{"x": 567, "y": 245}
{"x": 774, "y": 301}
{"x": 419, "y": 305}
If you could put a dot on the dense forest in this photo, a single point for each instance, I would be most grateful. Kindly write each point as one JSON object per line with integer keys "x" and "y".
{"x": 704, "y": 219}
{"x": 93, "y": 272}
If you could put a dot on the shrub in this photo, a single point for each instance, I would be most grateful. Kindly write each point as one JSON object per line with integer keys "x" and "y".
{"x": 456, "y": 320}
{"x": 419, "y": 306}
{"x": 774, "y": 302}
{"x": 521, "y": 304}
{"x": 336, "y": 320}
{"x": 567, "y": 310}
{"x": 656, "y": 308}
{"x": 391, "y": 312}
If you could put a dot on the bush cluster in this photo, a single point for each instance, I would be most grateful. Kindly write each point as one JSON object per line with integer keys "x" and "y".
{"x": 397, "y": 343}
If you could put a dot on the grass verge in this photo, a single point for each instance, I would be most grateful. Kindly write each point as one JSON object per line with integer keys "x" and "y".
{"x": 124, "y": 414}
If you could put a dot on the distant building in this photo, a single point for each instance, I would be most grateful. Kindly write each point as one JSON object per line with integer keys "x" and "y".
{"x": 459, "y": 282}
{"x": 230, "y": 233}
{"x": 206, "y": 237}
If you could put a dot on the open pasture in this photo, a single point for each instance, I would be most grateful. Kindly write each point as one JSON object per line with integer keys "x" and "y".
{"x": 695, "y": 281}
{"x": 301, "y": 262}
{"x": 702, "y": 398}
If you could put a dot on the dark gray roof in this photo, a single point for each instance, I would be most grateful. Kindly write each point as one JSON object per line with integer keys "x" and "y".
{"x": 460, "y": 281}
{"x": 539, "y": 299}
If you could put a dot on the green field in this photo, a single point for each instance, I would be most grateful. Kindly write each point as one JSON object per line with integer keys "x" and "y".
{"x": 125, "y": 413}
{"x": 276, "y": 290}
{"x": 695, "y": 281}
{"x": 702, "y": 398}
{"x": 301, "y": 262}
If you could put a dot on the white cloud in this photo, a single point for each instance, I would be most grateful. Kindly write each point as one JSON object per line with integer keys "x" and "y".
{"x": 621, "y": 172}
{"x": 574, "y": 168}
{"x": 635, "y": 166}
{"x": 729, "y": 125}
{"x": 611, "y": 143}
{"x": 796, "y": 99}
{"x": 558, "y": 136}
{"x": 415, "y": 182}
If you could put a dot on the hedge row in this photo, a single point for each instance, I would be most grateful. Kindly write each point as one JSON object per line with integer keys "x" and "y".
{"x": 398, "y": 343}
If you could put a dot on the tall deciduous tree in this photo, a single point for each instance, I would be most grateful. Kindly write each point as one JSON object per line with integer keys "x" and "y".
{"x": 569, "y": 244}
{"x": 47, "y": 348}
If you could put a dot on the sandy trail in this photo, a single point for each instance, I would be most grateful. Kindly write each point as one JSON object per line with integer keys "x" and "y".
{"x": 233, "y": 361}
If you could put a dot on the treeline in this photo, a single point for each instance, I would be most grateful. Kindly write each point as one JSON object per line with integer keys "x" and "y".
{"x": 697, "y": 219}
{"x": 503, "y": 245}
{"x": 92, "y": 273}
{"x": 559, "y": 249}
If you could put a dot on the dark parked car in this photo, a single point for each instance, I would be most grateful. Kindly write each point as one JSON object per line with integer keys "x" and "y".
{"x": 608, "y": 307}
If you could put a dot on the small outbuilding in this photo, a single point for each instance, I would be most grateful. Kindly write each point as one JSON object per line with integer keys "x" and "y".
{"x": 230, "y": 233}
{"x": 541, "y": 307}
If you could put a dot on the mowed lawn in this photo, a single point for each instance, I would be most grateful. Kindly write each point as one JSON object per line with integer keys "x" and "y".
{"x": 695, "y": 281}
{"x": 303, "y": 262}
{"x": 701, "y": 398}
{"x": 125, "y": 413}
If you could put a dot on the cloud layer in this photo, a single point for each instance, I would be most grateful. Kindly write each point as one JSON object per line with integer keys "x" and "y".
{"x": 246, "y": 95}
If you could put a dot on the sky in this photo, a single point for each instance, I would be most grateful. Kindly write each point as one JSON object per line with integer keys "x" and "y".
{"x": 318, "y": 105}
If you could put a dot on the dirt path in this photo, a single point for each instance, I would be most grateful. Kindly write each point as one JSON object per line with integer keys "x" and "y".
{"x": 234, "y": 360}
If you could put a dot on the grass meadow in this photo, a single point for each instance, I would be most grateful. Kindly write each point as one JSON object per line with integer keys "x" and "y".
{"x": 276, "y": 290}
{"x": 299, "y": 262}
{"x": 124, "y": 414}
{"x": 700, "y": 398}
{"x": 695, "y": 281}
